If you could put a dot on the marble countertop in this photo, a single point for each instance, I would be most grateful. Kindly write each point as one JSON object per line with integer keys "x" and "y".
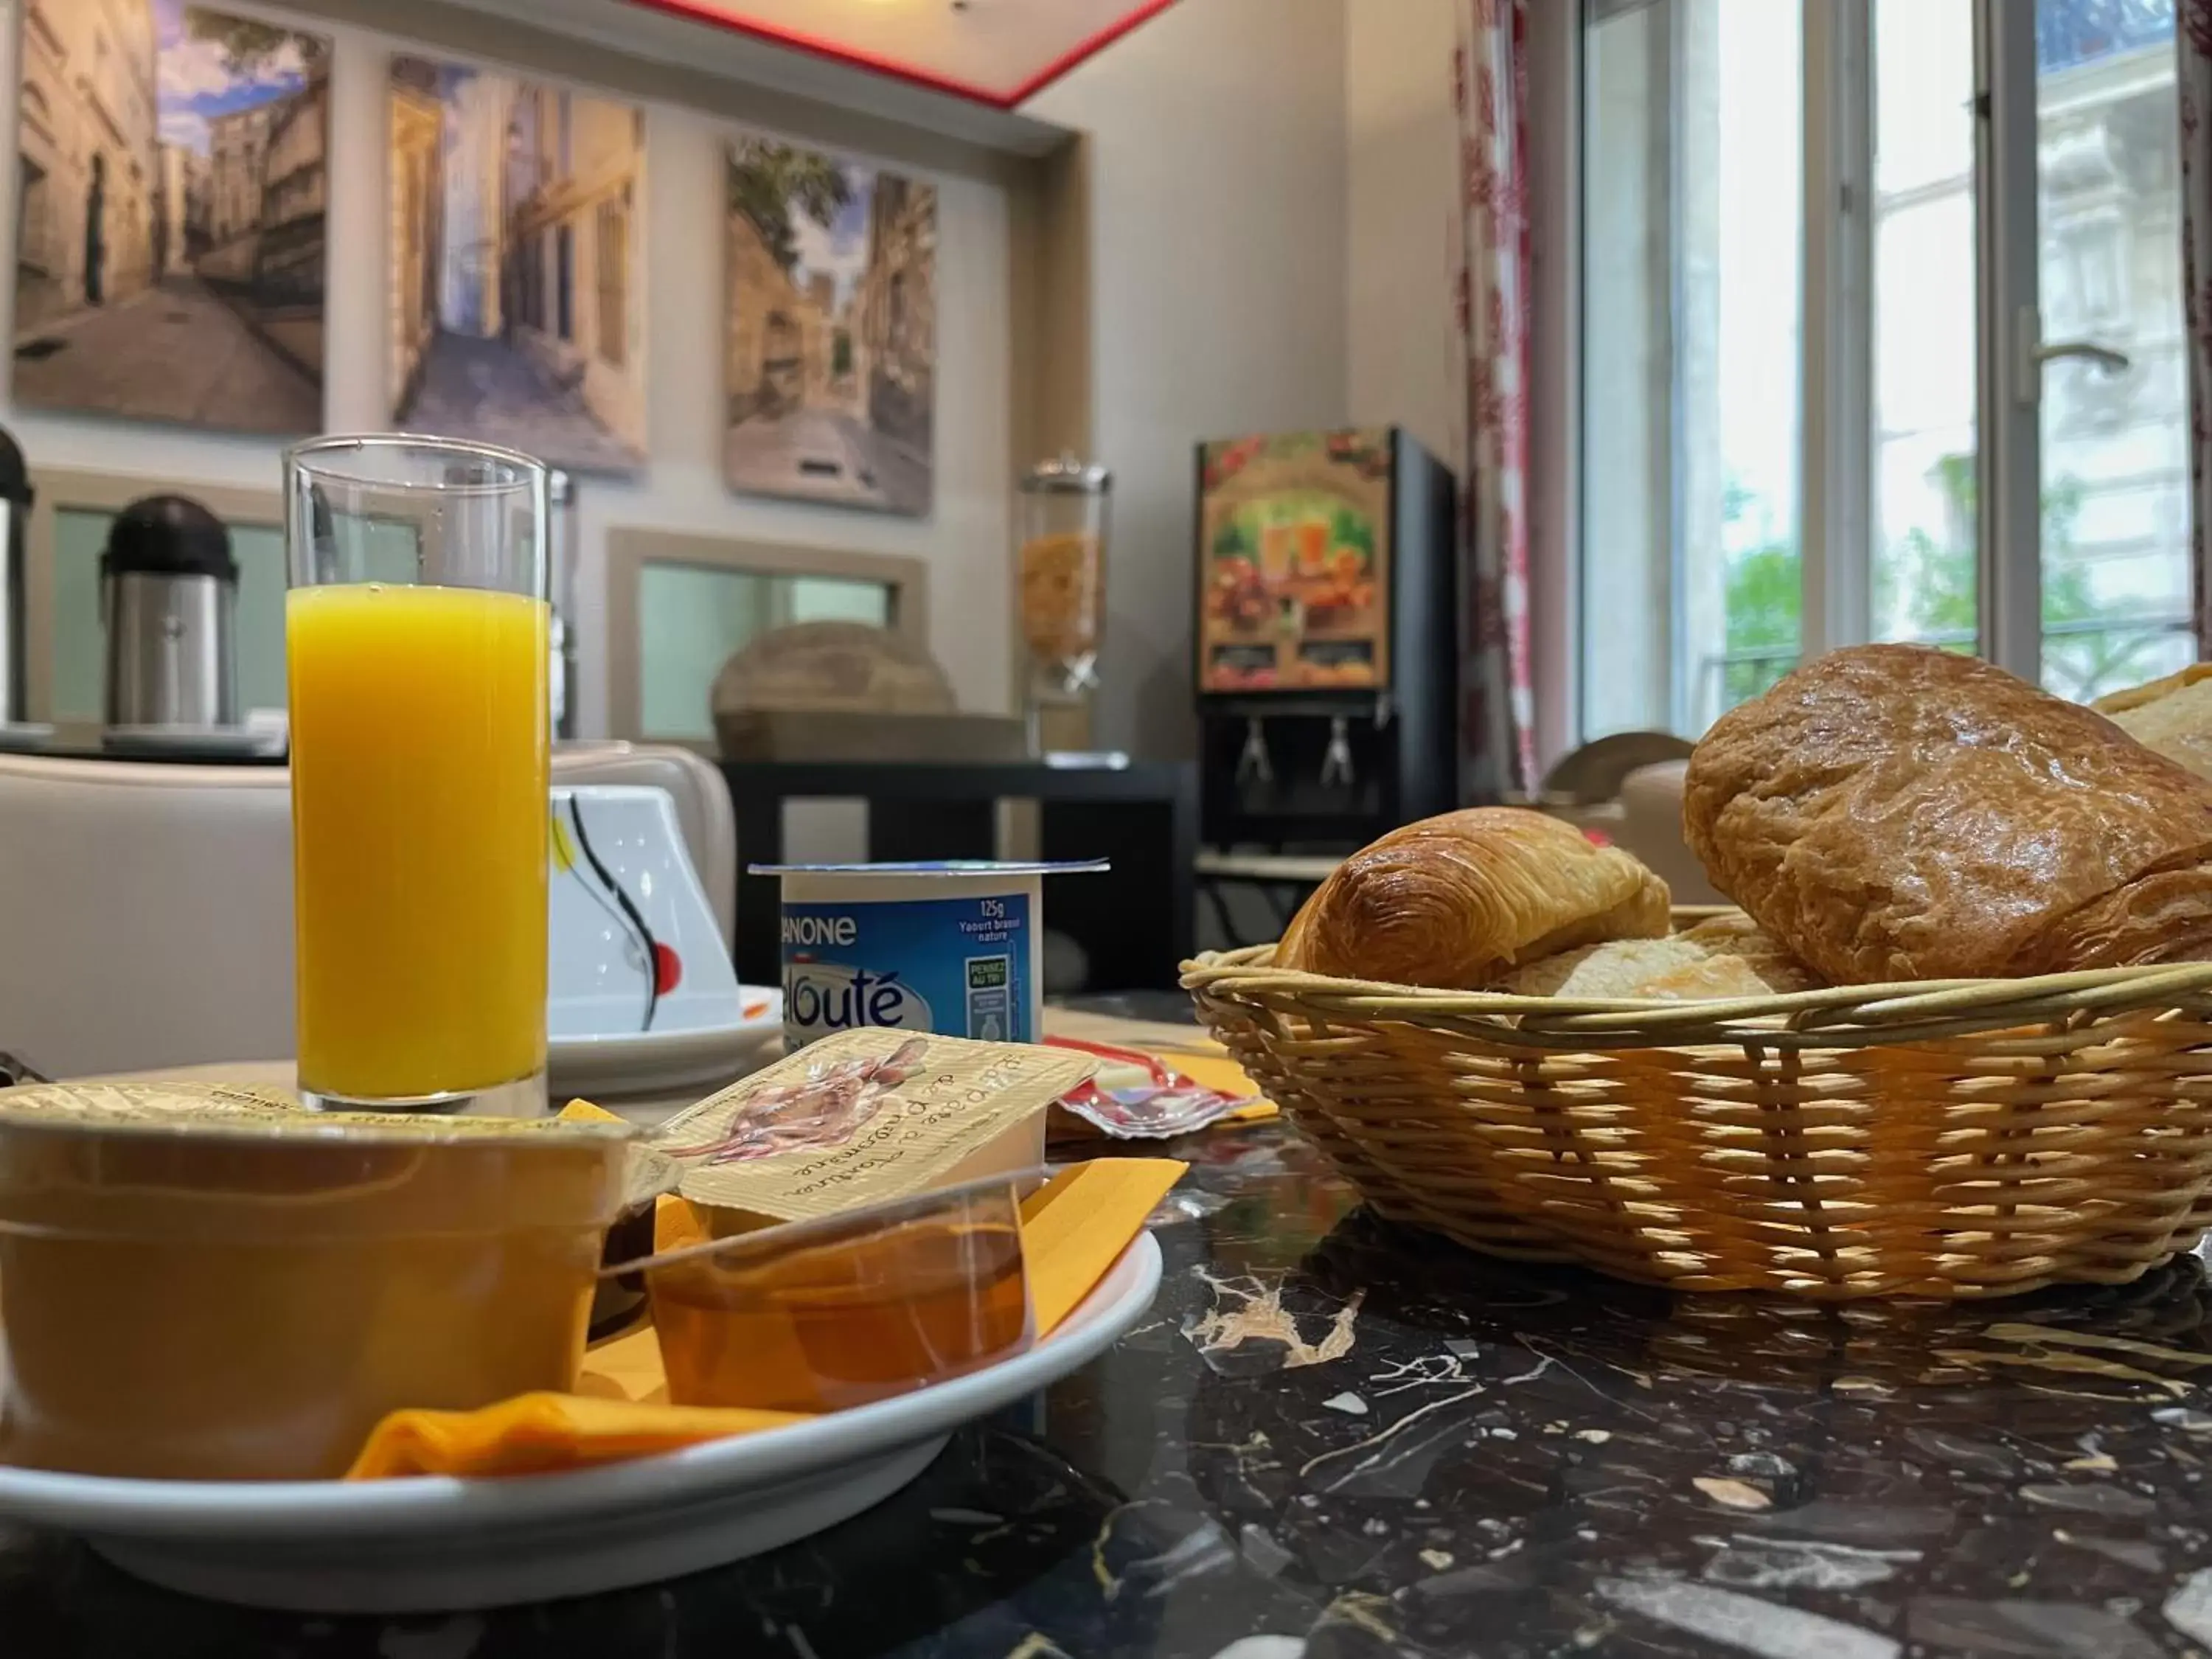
{"x": 1331, "y": 1439}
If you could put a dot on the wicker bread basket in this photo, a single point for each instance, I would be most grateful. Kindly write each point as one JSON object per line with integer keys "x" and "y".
{"x": 1953, "y": 1138}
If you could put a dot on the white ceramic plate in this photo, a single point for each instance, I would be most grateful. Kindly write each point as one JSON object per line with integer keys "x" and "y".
{"x": 439, "y": 1544}
{"x": 693, "y": 1042}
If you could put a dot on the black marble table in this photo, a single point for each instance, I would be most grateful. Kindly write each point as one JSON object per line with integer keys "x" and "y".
{"x": 1331, "y": 1438}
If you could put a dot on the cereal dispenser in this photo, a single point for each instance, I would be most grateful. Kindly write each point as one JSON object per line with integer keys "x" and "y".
{"x": 1061, "y": 519}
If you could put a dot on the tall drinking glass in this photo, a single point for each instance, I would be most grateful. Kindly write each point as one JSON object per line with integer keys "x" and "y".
{"x": 416, "y": 639}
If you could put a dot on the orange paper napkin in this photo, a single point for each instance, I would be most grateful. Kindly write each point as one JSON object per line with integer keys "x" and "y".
{"x": 1073, "y": 1229}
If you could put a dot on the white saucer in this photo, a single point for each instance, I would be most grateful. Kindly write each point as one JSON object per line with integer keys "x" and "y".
{"x": 438, "y": 1544}
{"x": 694, "y": 1040}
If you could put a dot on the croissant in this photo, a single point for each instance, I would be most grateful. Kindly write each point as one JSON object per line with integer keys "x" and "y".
{"x": 1892, "y": 813}
{"x": 1458, "y": 900}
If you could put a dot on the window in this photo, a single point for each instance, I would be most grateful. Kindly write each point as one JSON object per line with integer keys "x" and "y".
{"x": 2114, "y": 495}
{"x": 678, "y": 607}
{"x": 692, "y": 619}
{"x": 530, "y": 279}
{"x": 612, "y": 259}
{"x": 564, "y": 281}
{"x": 1914, "y": 466}
{"x": 1924, "y": 531}
{"x": 34, "y": 228}
{"x": 1693, "y": 113}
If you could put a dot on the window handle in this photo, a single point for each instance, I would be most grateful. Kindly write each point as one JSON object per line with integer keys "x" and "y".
{"x": 2105, "y": 357}
{"x": 2035, "y": 352}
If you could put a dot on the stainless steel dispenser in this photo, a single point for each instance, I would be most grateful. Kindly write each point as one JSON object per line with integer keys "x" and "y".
{"x": 169, "y": 598}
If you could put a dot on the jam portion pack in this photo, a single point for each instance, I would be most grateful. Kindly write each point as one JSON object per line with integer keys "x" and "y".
{"x": 862, "y": 1116}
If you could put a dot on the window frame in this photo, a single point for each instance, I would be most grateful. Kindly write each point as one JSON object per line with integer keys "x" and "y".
{"x": 1836, "y": 494}
{"x": 629, "y": 550}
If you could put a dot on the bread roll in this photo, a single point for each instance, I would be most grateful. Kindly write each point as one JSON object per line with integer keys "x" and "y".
{"x": 1726, "y": 956}
{"x": 1457, "y": 900}
{"x": 2173, "y": 716}
{"x": 2114, "y": 702}
{"x": 1890, "y": 812}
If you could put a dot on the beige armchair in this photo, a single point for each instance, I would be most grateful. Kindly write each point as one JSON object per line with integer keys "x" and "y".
{"x": 148, "y": 908}
{"x": 1650, "y": 827}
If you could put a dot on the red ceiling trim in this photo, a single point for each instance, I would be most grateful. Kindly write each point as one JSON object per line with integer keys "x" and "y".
{"x": 703, "y": 11}
{"x": 700, "y": 11}
{"x": 1098, "y": 43}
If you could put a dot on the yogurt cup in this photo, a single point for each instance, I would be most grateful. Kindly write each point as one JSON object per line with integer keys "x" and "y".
{"x": 954, "y": 947}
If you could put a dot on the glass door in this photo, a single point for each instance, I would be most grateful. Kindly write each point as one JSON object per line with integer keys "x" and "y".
{"x": 2027, "y": 337}
{"x": 1925, "y": 585}
{"x": 1882, "y": 339}
{"x": 2083, "y": 538}
{"x": 2110, "y": 368}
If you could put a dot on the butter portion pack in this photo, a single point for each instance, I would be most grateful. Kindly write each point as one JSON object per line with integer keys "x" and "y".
{"x": 234, "y": 1111}
{"x": 206, "y": 1283}
{"x": 863, "y": 1117}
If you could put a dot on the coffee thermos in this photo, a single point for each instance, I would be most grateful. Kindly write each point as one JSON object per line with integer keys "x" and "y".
{"x": 169, "y": 598}
{"x": 14, "y": 513}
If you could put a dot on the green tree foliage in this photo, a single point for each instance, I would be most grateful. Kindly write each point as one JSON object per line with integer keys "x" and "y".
{"x": 770, "y": 184}
{"x": 1929, "y": 585}
{"x": 248, "y": 46}
{"x": 1764, "y": 600}
{"x": 1765, "y": 596}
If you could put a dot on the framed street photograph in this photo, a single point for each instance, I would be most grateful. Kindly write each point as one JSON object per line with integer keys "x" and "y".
{"x": 518, "y": 275}
{"x": 832, "y": 342}
{"x": 171, "y": 165}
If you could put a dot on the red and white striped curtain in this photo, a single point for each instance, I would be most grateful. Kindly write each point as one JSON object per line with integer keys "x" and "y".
{"x": 1490, "y": 86}
{"x": 2194, "y": 41}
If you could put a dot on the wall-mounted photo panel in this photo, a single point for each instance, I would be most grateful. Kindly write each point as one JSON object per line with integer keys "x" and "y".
{"x": 832, "y": 339}
{"x": 518, "y": 279}
{"x": 171, "y": 177}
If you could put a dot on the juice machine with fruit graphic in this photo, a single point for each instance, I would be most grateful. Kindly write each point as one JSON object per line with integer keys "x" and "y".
{"x": 1327, "y": 638}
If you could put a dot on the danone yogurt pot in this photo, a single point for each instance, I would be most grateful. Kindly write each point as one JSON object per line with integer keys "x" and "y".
{"x": 952, "y": 947}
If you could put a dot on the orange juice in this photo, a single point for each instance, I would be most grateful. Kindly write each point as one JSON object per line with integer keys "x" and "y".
{"x": 419, "y": 759}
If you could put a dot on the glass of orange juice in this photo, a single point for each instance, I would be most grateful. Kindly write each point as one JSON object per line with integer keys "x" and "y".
{"x": 416, "y": 640}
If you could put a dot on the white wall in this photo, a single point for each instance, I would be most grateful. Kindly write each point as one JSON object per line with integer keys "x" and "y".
{"x": 1401, "y": 224}
{"x": 1217, "y": 306}
{"x": 1269, "y": 252}
{"x": 966, "y": 539}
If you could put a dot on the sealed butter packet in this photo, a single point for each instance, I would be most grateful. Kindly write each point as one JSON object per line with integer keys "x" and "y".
{"x": 217, "y": 1108}
{"x": 865, "y": 1116}
{"x": 150, "y": 1102}
{"x": 208, "y": 1283}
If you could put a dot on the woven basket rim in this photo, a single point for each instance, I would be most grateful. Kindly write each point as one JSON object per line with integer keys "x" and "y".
{"x": 1840, "y": 1015}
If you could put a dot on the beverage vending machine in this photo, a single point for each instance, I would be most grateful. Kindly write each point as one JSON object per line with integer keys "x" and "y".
{"x": 1328, "y": 638}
